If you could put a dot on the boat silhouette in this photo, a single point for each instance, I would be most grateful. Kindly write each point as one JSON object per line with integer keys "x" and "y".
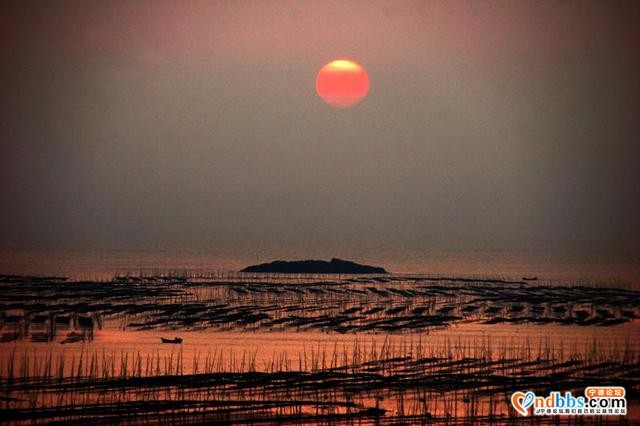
{"x": 174, "y": 340}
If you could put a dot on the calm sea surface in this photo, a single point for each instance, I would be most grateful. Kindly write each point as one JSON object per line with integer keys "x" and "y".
{"x": 548, "y": 266}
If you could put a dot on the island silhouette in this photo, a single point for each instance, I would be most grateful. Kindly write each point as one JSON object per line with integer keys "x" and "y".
{"x": 334, "y": 266}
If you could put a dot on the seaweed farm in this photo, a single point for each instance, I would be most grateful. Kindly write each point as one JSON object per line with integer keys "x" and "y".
{"x": 300, "y": 349}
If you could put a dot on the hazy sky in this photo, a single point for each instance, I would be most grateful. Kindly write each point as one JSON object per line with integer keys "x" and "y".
{"x": 488, "y": 124}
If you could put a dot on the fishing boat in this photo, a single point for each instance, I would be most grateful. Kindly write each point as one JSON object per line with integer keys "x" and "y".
{"x": 73, "y": 337}
{"x": 174, "y": 340}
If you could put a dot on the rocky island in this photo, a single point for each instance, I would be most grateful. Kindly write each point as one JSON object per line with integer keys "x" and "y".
{"x": 335, "y": 266}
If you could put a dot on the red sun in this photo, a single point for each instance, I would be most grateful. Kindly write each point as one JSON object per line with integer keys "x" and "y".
{"x": 342, "y": 83}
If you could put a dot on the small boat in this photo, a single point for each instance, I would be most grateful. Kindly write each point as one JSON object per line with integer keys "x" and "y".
{"x": 73, "y": 338}
{"x": 530, "y": 278}
{"x": 174, "y": 340}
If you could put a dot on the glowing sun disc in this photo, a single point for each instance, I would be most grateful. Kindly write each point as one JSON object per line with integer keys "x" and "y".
{"x": 342, "y": 83}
